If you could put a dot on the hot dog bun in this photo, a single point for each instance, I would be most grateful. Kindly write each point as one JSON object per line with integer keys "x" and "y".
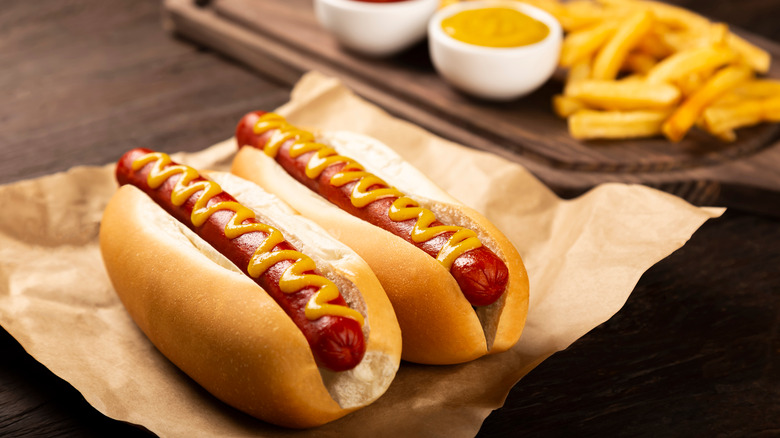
{"x": 223, "y": 330}
{"x": 439, "y": 325}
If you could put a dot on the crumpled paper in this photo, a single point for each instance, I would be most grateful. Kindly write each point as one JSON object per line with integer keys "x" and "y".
{"x": 584, "y": 256}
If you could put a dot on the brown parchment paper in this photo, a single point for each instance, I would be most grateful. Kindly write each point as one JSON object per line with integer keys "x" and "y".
{"x": 584, "y": 257}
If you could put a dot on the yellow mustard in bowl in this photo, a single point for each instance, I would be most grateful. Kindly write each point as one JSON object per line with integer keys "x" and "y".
{"x": 495, "y": 27}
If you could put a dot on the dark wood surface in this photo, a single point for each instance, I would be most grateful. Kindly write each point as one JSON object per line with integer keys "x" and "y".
{"x": 282, "y": 38}
{"x": 695, "y": 351}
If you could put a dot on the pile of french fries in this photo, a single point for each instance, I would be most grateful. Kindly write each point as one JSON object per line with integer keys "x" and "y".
{"x": 641, "y": 68}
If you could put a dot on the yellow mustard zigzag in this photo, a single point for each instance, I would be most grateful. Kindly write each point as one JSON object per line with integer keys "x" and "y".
{"x": 293, "y": 278}
{"x": 368, "y": 188}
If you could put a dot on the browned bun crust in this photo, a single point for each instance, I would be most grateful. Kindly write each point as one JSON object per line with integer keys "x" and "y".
{"x": 439, "y": 325}
{"x": 225, "y": 332}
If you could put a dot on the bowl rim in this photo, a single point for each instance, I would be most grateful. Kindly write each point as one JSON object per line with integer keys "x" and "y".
{"x": 437, "y": 33}
{"x": 360, "y": 6}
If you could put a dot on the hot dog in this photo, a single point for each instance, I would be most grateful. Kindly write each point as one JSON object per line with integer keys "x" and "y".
{"x": 436, "y": 258}
{"x": 224, "y": 293}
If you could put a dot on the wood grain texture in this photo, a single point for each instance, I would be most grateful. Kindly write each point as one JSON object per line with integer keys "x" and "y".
{"x": 282, "y": 38}
{"x": 695, "y": 351}
{"x": 85, "y": 80}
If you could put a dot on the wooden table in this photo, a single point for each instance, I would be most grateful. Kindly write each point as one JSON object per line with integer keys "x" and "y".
{"x": 695, "y": 351}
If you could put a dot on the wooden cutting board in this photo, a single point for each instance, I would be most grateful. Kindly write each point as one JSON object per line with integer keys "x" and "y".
{"x": 282, "y": 39}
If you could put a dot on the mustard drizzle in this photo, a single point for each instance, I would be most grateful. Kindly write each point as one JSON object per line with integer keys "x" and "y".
{"x": 293, "y": 278}
{"x": 403, "y": 208}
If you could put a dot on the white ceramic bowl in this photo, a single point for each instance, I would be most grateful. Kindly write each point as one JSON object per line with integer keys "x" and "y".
{"x": 375, "y": 29}
{"x": 489, "y": 72}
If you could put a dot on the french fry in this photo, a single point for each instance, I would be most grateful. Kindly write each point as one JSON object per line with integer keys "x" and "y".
{"x": 565, "y": 106}
{"x": 639, "y": 62}
{"x": 772, "y": 109}
{"x": 589, "y": 124}
{"x": 609, "y": 59}
{"x": 686, "y": 114}
{"x": 652, "y": 44}
{"x": 757, "y": 58}
{"x": 582, "y": 44}
{"x": 578, "y": 72}
{"x": 636, "y": 78}
{"x": 688, "y": 85}
{"x": 727, "y": 99}
{"x": 727, "y": 136}
{"x": 759, "y": 88}
{"x": 727, "y": 118}
{"x": 581, "y": 14}
{"x": 677, "y": 62}
{"x": 679, "y": 40}
{"x": 715, "y": 34}
{"x": 755, "y": 89}
{"x": 718, "y": 34}
{"x": 747, "y": 104}
{"x": 623, "y": 95}
{"x": 675, "y": 16}
{"x": 689, "y": 62}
